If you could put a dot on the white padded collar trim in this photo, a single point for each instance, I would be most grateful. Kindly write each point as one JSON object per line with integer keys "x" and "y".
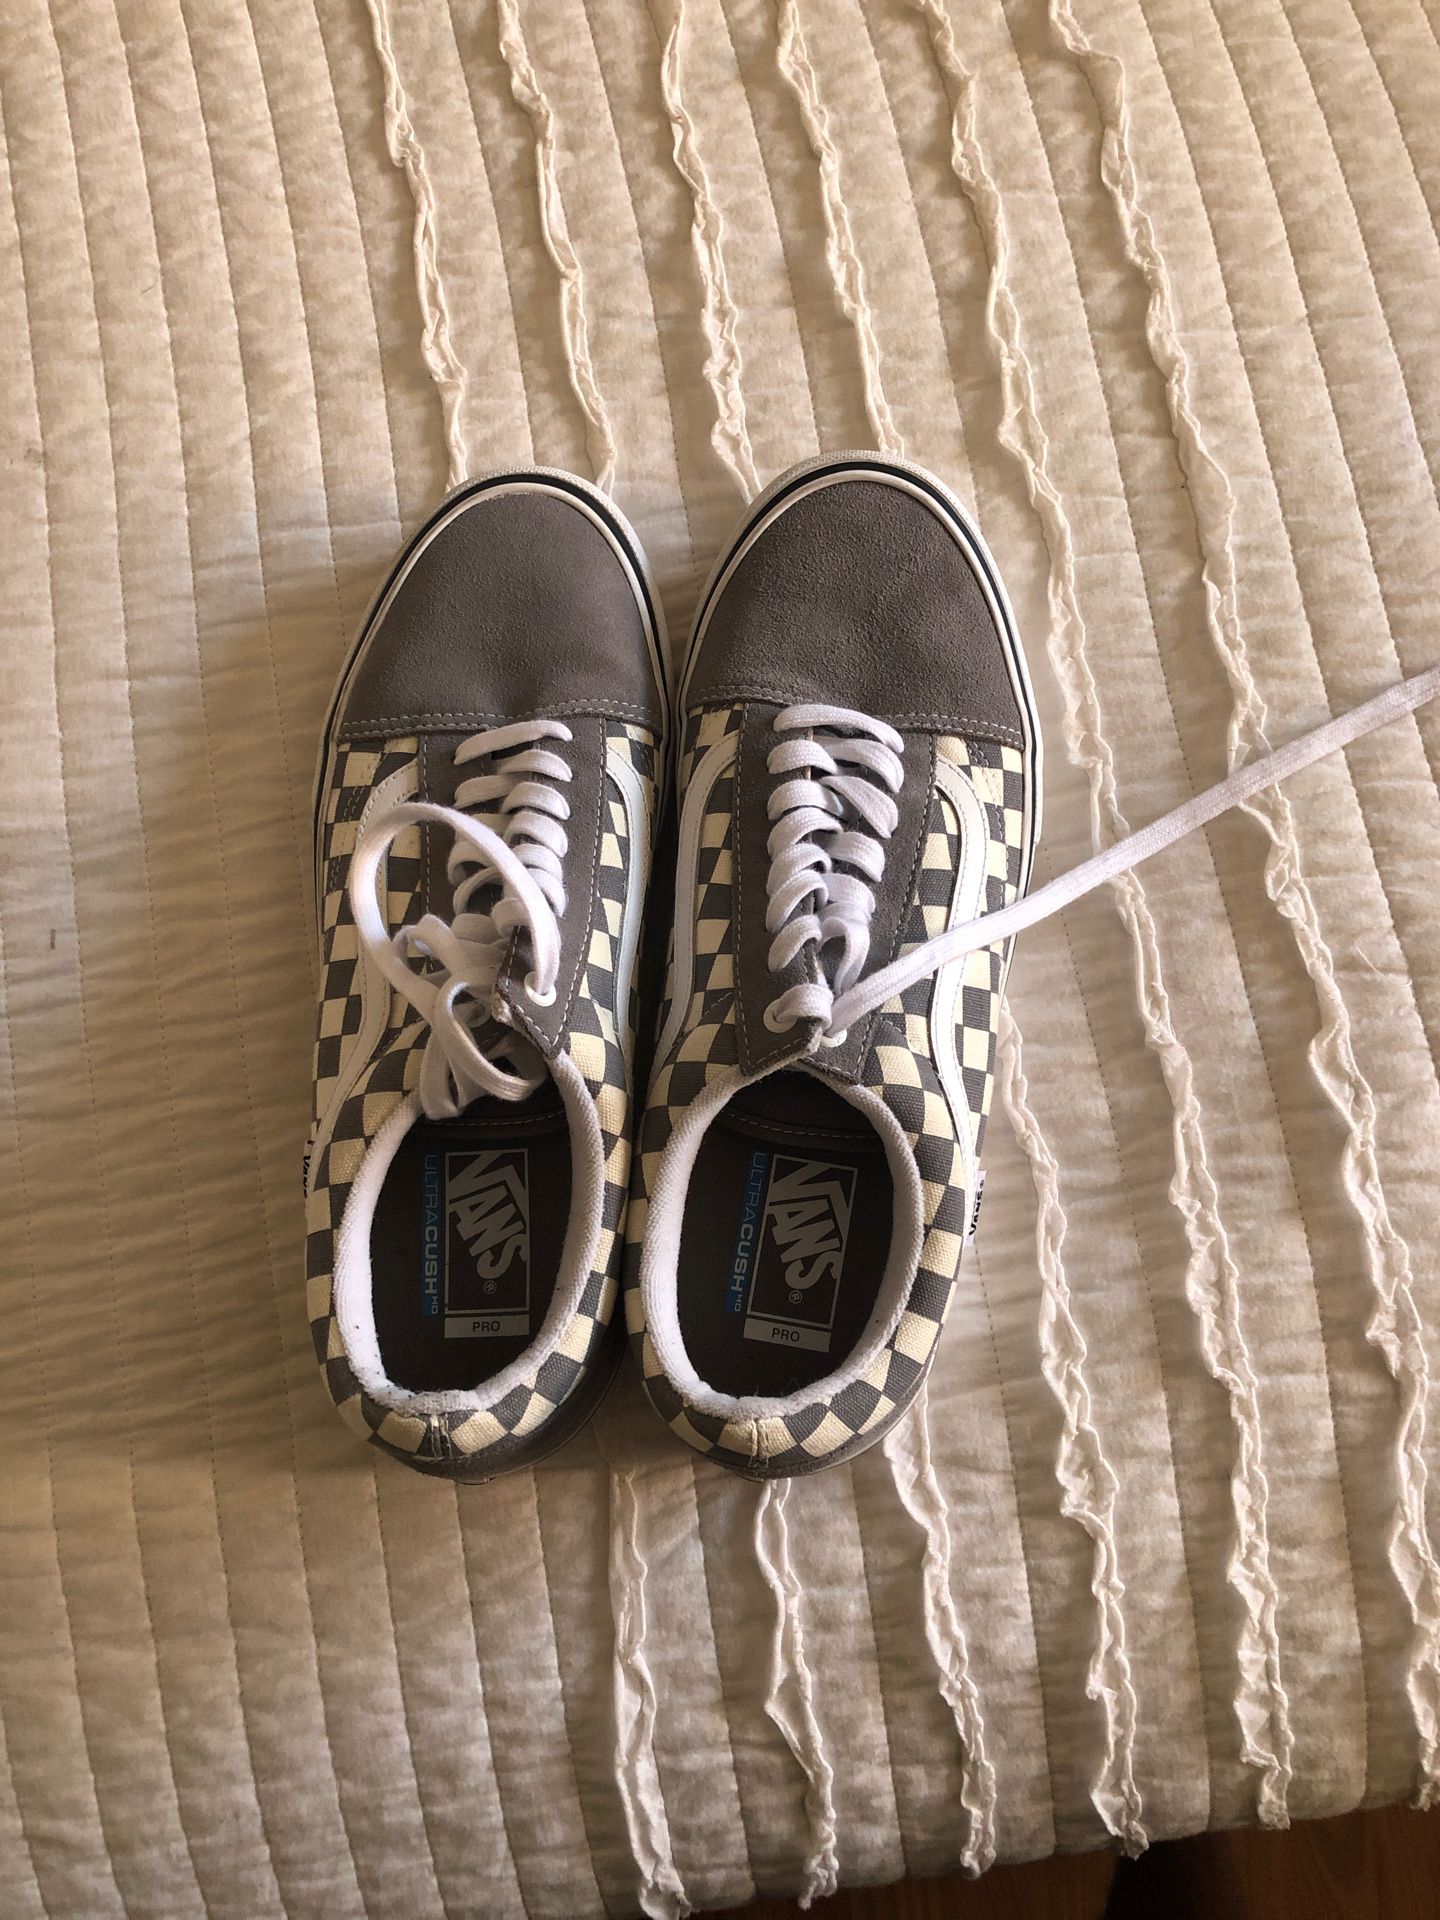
{"x": 354, "y": 1299}
{"x": 659, "y": 1269}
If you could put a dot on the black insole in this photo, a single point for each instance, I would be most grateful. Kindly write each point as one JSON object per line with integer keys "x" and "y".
{"x": 785, "y": 1238}
{"x": 466, "y": 1241}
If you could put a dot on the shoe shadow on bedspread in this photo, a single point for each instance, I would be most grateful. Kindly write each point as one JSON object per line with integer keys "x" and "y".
{"x": 157, "y": 1322}
{"x": 180, "y": 1495}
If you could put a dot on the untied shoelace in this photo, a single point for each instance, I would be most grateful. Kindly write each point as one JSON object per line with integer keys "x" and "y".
{"x": 833, "y": 808}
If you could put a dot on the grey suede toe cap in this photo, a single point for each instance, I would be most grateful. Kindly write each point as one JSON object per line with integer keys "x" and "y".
{"x": 520, "y": 598}
{"x": 859, "y": 590}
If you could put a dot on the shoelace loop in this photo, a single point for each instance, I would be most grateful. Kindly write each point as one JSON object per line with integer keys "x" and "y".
{"x": 831, "y": 814}
{"x": 506, "y": 869}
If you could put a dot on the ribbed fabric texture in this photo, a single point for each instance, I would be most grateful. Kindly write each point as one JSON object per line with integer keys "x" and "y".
{"x": 1154, "y": 288}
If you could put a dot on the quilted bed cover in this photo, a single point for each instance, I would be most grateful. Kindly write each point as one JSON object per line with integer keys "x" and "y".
{"x": 1154, "y": 284}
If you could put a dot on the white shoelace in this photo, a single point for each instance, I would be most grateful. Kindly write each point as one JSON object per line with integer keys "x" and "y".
{"x": 506, "y": 871}
{"x": 827, "y": 817}
{"x": 828, "y": 812}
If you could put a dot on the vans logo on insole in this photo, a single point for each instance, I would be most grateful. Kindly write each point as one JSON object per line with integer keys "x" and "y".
{"x": 489, "y": 1202}
{"x": 487, "y": 1250}
{"x": 804, "y": 1232}
{"x": 807, "y": 1211}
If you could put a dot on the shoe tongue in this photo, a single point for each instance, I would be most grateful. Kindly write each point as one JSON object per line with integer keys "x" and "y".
{"x": 439, "y": 778}
{"x": 798, "y": 1104}
{"x": 788, "y": 1098}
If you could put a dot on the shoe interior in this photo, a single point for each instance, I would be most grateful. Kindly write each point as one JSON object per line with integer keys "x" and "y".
{"x": 466, "y": 1242}
{"x": 785, "y": 1238}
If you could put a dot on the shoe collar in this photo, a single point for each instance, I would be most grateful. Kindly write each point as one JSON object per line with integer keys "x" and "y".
{"x": 351, "y": 1283}
{"x": 660, "y": 1258}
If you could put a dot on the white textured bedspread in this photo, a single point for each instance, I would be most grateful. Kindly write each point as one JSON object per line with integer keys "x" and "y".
{"x": 1154, "y": 284}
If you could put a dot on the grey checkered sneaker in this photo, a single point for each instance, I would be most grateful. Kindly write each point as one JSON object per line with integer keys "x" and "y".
{"x": 487, "y": 799}
{"x": 859, "y": 773}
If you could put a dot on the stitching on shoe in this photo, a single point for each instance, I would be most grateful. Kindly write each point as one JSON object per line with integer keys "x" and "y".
{"x": 607, "y": 709}
{"x": 803, "y": 1133}
{"x": 939, "y": 722}
{"x": 582, "y": 950}
{"x": 738, "y": 922}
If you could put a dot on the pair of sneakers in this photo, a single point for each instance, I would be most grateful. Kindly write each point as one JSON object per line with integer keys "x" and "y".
{"x": 856, "y": 768}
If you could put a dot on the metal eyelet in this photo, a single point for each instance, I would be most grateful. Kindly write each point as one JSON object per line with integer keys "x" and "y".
{"x": 835, "y": 1039}
{"x": 535, "y": 995}
{"x": 774, "y": 1023}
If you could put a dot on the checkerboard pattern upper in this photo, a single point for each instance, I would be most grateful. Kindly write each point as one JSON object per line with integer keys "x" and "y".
{"x": 899, "y": 1069}
{"x": 997, "y": 774}
{"x": 473, "y": 1444}
{"x": 358, "y": 772}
